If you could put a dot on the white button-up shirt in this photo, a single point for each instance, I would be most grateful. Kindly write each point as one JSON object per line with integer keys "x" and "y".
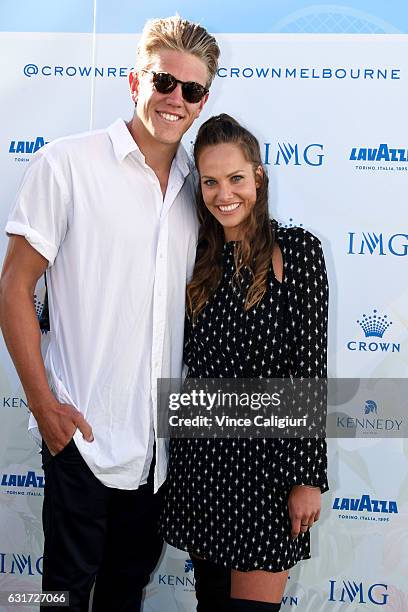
{"x": 119, "y": 260}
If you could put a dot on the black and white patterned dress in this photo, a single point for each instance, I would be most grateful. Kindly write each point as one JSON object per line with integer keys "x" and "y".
{"x": 226, "y": 499}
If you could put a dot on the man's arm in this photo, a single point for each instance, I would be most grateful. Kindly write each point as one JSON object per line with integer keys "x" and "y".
{"x": 22, "y": 268}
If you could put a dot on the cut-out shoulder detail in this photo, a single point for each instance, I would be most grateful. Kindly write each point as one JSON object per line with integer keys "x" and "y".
{"x": 277, "y": 262}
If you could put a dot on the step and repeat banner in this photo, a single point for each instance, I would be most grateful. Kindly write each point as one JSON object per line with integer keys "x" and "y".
{"x": 326, "y": 92}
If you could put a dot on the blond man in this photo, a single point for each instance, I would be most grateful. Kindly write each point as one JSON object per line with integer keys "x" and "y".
{"x": 109, "y": 216}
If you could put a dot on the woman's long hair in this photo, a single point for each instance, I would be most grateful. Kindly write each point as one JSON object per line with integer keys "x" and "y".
{"x": 254, "y": 250}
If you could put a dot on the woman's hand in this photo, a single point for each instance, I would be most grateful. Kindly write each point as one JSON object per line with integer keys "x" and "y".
{"x": 304, "y": 508}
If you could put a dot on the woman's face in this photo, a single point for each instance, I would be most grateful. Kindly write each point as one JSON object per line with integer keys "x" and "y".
{"x": 228, "y": 184}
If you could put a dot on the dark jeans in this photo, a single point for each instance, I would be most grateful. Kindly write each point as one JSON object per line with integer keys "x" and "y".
{"x": 93, "y": 532}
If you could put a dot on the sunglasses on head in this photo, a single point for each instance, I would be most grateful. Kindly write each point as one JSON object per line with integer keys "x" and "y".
{"x": 165, "y": 83}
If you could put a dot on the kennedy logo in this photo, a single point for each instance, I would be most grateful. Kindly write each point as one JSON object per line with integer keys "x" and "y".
{"x": 371, "y": 424}
{"x": 370, "y": 406}
{"x": 374, "y": 326}
{"x": 371, "y": 243}
{"x": 285, "y": 153}
{"x": 349, "y": 591}
{"x": 20, "y": 148}
{"x": 14, "y": 402}
{"x": 28, "y": 483}
{"x": 181, "y": 575}
{"x": 20, "y": 564}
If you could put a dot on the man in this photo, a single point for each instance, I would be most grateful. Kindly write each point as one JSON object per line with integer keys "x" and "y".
{"x": 110, "y": 215}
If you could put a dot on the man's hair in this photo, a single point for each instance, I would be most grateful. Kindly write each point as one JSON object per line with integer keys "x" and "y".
{"x": 179, "y": 35}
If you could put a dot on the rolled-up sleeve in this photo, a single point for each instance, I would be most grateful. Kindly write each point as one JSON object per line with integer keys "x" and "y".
{"x": 41, "y": 209}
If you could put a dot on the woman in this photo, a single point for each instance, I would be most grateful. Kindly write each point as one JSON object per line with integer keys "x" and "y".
{"x": 256, "y": 308}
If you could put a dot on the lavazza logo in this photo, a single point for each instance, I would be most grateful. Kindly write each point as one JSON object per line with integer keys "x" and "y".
{"x": 380, "y": 158}
{"x": 294, "y": 154}
{"x": 350, "y": 591}
{"x": 370, "y": 423}
{"x": 374, "y": 327}
{"x": 21, "y": 148}
{"x": 365, "y": 508}
{"x": 28, "y": 483}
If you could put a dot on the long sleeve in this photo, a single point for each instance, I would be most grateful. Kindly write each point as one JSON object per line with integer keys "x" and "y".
{"x": 305, "y": 459}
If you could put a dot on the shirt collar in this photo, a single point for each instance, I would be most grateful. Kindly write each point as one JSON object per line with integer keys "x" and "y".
{"x": 122, "y": 140}
{"x": 183, "y": 161}
{"x": 123, "y": 144}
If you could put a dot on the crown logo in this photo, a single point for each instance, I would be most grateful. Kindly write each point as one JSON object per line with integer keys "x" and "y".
{"x": 374, "y": 325}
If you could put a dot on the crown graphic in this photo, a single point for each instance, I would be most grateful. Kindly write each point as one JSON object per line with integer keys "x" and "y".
{"x": 374, "y": 325}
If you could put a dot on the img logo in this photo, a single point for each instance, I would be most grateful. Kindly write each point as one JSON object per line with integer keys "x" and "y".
{"x": 374, "y": 326}
{"x": 20, "y": 564}
{"x": 370, "y": 243}
{"x": 350, "y": 591}
{"x": 287, "y": 153}
{"x": 21, "y": 148}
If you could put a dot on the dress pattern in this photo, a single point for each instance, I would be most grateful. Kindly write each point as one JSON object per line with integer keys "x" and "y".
{"x": 226, "y": 499}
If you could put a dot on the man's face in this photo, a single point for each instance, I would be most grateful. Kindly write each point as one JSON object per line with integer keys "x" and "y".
{"x": 166, "y": 117}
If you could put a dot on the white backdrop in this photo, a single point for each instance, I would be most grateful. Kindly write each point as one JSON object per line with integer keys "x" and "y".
{"x": 330, "y": 113}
